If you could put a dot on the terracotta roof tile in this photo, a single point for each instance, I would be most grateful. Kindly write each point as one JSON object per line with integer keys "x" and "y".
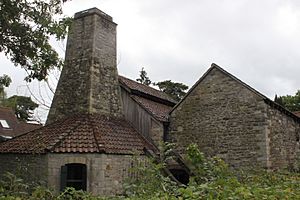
{"x": 82, "y": 133}
{"x": 158, "y": 110}
{"x": 147, "y": 90}
{"x": 16, "y": 127}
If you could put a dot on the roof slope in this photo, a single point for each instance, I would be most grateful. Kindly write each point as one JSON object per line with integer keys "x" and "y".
{"x": 157, "y": 110}
{"x": 80, "y": 134}
{"x": 155, "y": 102}
{"x": 16, "y": 127}
{"x": 144, "y": 90}
{"x": 266, "y": 99}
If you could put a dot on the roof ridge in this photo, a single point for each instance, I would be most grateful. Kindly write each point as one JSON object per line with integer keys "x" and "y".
{"x": 166, "y": 98}
{"x": 265, "y": 98}
{"x": 93, "y": 132}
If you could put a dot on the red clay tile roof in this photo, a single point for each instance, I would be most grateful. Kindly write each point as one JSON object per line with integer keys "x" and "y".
{"x": 158, "y": 110}
{"x": 16, "y": 127}
{"x": 83, "y": 133}
{"x": 147, "y": 90}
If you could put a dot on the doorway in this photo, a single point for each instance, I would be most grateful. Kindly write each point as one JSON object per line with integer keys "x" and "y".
{"x": 73, "y": 175}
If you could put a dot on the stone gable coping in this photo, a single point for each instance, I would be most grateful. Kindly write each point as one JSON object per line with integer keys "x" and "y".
{"x": 266, "y": 99}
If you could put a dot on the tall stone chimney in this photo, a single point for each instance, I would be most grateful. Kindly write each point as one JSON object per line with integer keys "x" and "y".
{"x": 89, "y": 78}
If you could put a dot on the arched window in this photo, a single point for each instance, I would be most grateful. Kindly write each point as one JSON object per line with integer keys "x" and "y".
{"x": 73, "y": 175}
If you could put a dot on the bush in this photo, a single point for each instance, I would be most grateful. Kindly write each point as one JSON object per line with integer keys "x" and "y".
{"x": 212, "y": 179}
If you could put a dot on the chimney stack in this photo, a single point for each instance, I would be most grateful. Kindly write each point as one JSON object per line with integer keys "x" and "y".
{"x": 89, "y": 78}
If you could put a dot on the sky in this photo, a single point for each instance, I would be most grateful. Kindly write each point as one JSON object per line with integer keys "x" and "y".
{"x": 258, "y": 41}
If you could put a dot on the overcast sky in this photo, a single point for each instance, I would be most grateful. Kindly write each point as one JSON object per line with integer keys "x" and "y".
{"x": 256, "y": 40}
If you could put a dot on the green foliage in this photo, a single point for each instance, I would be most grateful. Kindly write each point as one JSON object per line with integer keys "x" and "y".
{"x": 206, "y": 169}
{"x": 23, "y": 106}
{"x": 12, "y": 186}
{"x": 25, "y": 28}
{"x": 5, "y": 81}
{"x": 144, "y": 79}
{"x": 212, "y": 180}
{"x": 149, "y": 182}
{"x": 290, "y": 102}
{"x": 173, "y": 89}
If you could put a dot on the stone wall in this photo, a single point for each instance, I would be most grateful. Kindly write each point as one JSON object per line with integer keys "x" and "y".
{"x": 283, "y": 137}
{"x": 105, "y": 172}
{"x": 31, "y": 168}
{"x": 89, "y": 79}
{"x": 225, "y": 119}
{"x": 157, "y": 133}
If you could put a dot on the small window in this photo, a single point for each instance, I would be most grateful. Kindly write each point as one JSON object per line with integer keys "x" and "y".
{"x": 181, "y": 175}
{"x": 73, "y": 175}
{"x": 4, "y": 123}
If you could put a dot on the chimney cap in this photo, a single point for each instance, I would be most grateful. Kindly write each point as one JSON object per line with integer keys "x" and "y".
{"x": 92, "y": 11}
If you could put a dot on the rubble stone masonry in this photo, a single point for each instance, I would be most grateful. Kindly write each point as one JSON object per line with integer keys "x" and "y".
{"x": 89, "y": 79}
{"x": 227, "y": 119}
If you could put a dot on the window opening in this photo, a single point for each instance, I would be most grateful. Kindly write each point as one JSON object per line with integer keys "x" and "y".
{"x": 73, "y": 175}
{"x": 4, "y": 123}
{"x": 181, "y": 175}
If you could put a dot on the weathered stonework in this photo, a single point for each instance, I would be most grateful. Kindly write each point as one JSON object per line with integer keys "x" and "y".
{"x": 157, "y": 132}
{"x": 283, "y": 139}
{"x": 31, "y": 168}
{"x": 229, "y": 119}
{"x": 89, "y": 79}
{"x": 106, "y": 173}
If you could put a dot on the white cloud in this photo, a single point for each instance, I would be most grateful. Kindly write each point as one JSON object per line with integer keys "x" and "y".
{"x": 256, "y": 40}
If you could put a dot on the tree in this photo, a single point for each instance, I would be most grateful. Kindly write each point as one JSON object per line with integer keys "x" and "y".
{"x": 144, "y": 79}
{"x": 22, "y": 106}
{"x": 25, "y": 28}
{"x": 173, "y": 89}
{"x": 278, "y": 100}
{"x": 290, "y": 102}
{"x": 5, "y": 81}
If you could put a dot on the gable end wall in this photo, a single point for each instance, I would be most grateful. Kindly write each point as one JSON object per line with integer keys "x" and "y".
{"x": 283, "y": 132}
{"x": 225, "y": 119}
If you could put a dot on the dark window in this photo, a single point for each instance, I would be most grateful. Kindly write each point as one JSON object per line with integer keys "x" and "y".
{"x": 73, "y": 175}
{"x": 181, "y": 175}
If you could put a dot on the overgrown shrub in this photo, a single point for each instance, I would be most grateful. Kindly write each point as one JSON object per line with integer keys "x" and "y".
{"x": 212, "y": 180}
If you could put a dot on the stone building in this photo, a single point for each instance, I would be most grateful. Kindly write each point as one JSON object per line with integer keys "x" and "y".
{"x": 98, "y": 120}
{"x": 10, "y": 126}
{"x": 228, "y": 118}
{"x": 86, "y": 143}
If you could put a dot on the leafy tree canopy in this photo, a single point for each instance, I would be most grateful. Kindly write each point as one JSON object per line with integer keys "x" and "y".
{"x": 290, "y": 102}
{"x": 144, "y": 79}
{"x": 23, "y": 107}
{"x": 5, "y": 81}
{"x": 173, "y": 89}
{"x": 25, "y": 28}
